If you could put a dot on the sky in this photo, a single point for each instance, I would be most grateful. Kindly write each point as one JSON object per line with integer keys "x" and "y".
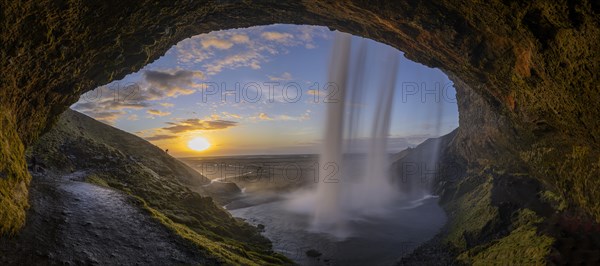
{"x": 262, "y": 90}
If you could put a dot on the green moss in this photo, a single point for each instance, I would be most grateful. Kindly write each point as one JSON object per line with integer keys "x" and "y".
{"x": 221, "y": 251}
{"x": 14, "y": 176}
{"x": 472, "y": 215}
{"x": 572, "y": 172}
{"x": 526, "y": 217}
{"x": 581, "y": 170}
{"x": 523, "y": 246}
{"x": 160, "y": 184}
{"x": 556, "y": 201}
{"x": 94, "y": 179}
{"x": 470, "y": 210}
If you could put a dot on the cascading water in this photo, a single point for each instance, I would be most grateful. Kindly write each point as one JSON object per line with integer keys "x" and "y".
{"x": 328, "y": 191}
{"x": 351, "y": 184}
{"x": 360, "y": 211}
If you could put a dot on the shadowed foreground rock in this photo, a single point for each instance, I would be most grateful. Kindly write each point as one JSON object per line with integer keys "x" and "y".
{"x": 156, "y": 184}
{"x": 72, "y": 222}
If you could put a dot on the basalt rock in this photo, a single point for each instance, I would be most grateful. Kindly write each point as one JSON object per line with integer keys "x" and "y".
{"x": 525, "y": 72}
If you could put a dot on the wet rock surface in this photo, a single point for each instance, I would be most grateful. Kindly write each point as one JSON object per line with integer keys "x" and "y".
{"x": 433, "y": 252}
{"x": 74, "y": 223}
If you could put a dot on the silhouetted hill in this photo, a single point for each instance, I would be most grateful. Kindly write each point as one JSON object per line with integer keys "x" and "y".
{"x": 159, "y": 183}
{"x": 76, "y": 128}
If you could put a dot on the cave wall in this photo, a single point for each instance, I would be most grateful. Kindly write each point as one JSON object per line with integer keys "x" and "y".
{"x": 525, "y": 72}
{"x": 14, "y": 177}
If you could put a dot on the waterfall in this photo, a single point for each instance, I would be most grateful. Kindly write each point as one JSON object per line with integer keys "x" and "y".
{"x": 330, "y": 163}
{"x": 351, "y": 184}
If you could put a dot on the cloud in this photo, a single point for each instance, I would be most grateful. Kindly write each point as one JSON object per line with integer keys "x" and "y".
{"x": 174, "y": 128}
{"x": 160, "y": 137}
{"x": 230, "y": 115}
{"x": 306, "y": 34}
{"x": 176, "y": 79}
{"x": 315, "y": 96}
{"x": 277, "y": 36}
{"x": 133, "y": 117}
{"x": 207, "y": 54}
{"x": 248, "y": 47}
{"x": 240, "y": 38}
{"x": 191, "y": 51}
{"x": 216, "y": 43}
{"x": 157, "y": 112}
{"x": 163, "y": 85}
{"x": 106, "y": 103}
{"x": 313, "y": 92}
{"x": 303, "y": 117}
{"x": 194, "y": 124}
{"x": 106, "y": 117}
{"x": 107, "y": 100}
{"x": 283, "y": 77}
{"x": 245, "y": 59}
{"x": 263, "y": 116}
{"x": 155, "y": 93}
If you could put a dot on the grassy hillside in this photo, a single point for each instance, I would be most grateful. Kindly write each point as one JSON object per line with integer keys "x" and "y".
{"x": 74, "y": 126}
{"x": 159, "y": 182}
{"x": 494, "y": 217}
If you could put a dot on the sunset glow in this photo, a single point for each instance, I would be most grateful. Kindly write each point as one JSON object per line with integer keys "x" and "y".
{"x": 199, "y": 144}
{"x": 260, "y": 90}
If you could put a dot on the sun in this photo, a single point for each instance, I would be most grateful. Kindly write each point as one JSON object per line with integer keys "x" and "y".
{"x": 199, "y": 144}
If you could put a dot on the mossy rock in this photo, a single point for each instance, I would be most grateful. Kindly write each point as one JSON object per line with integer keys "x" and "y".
{"x": 14, "y": 176}
{"x": 523, "y": 246}
{"x": 471, "y": 211}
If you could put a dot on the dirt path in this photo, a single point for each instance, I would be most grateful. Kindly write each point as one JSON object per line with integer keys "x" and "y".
{"x": 76, "y": 223}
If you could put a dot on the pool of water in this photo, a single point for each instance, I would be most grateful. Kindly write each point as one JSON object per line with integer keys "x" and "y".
{"x": 374, "y": 240}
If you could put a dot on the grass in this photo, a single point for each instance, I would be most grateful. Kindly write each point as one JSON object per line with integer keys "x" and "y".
{"x": 473, "y": 217}
{"x": 198, "y": 220}
{"x": 162, "y": 185}
{"x": 222, "y": 252}
{"x": 195, "y": 218}
{"x": 94, "y": 179}
{"x": 472, "y": 210}
{"x": 523, "y": 246}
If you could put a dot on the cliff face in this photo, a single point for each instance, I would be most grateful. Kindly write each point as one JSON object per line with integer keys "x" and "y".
{"x": 525, "y": 72}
